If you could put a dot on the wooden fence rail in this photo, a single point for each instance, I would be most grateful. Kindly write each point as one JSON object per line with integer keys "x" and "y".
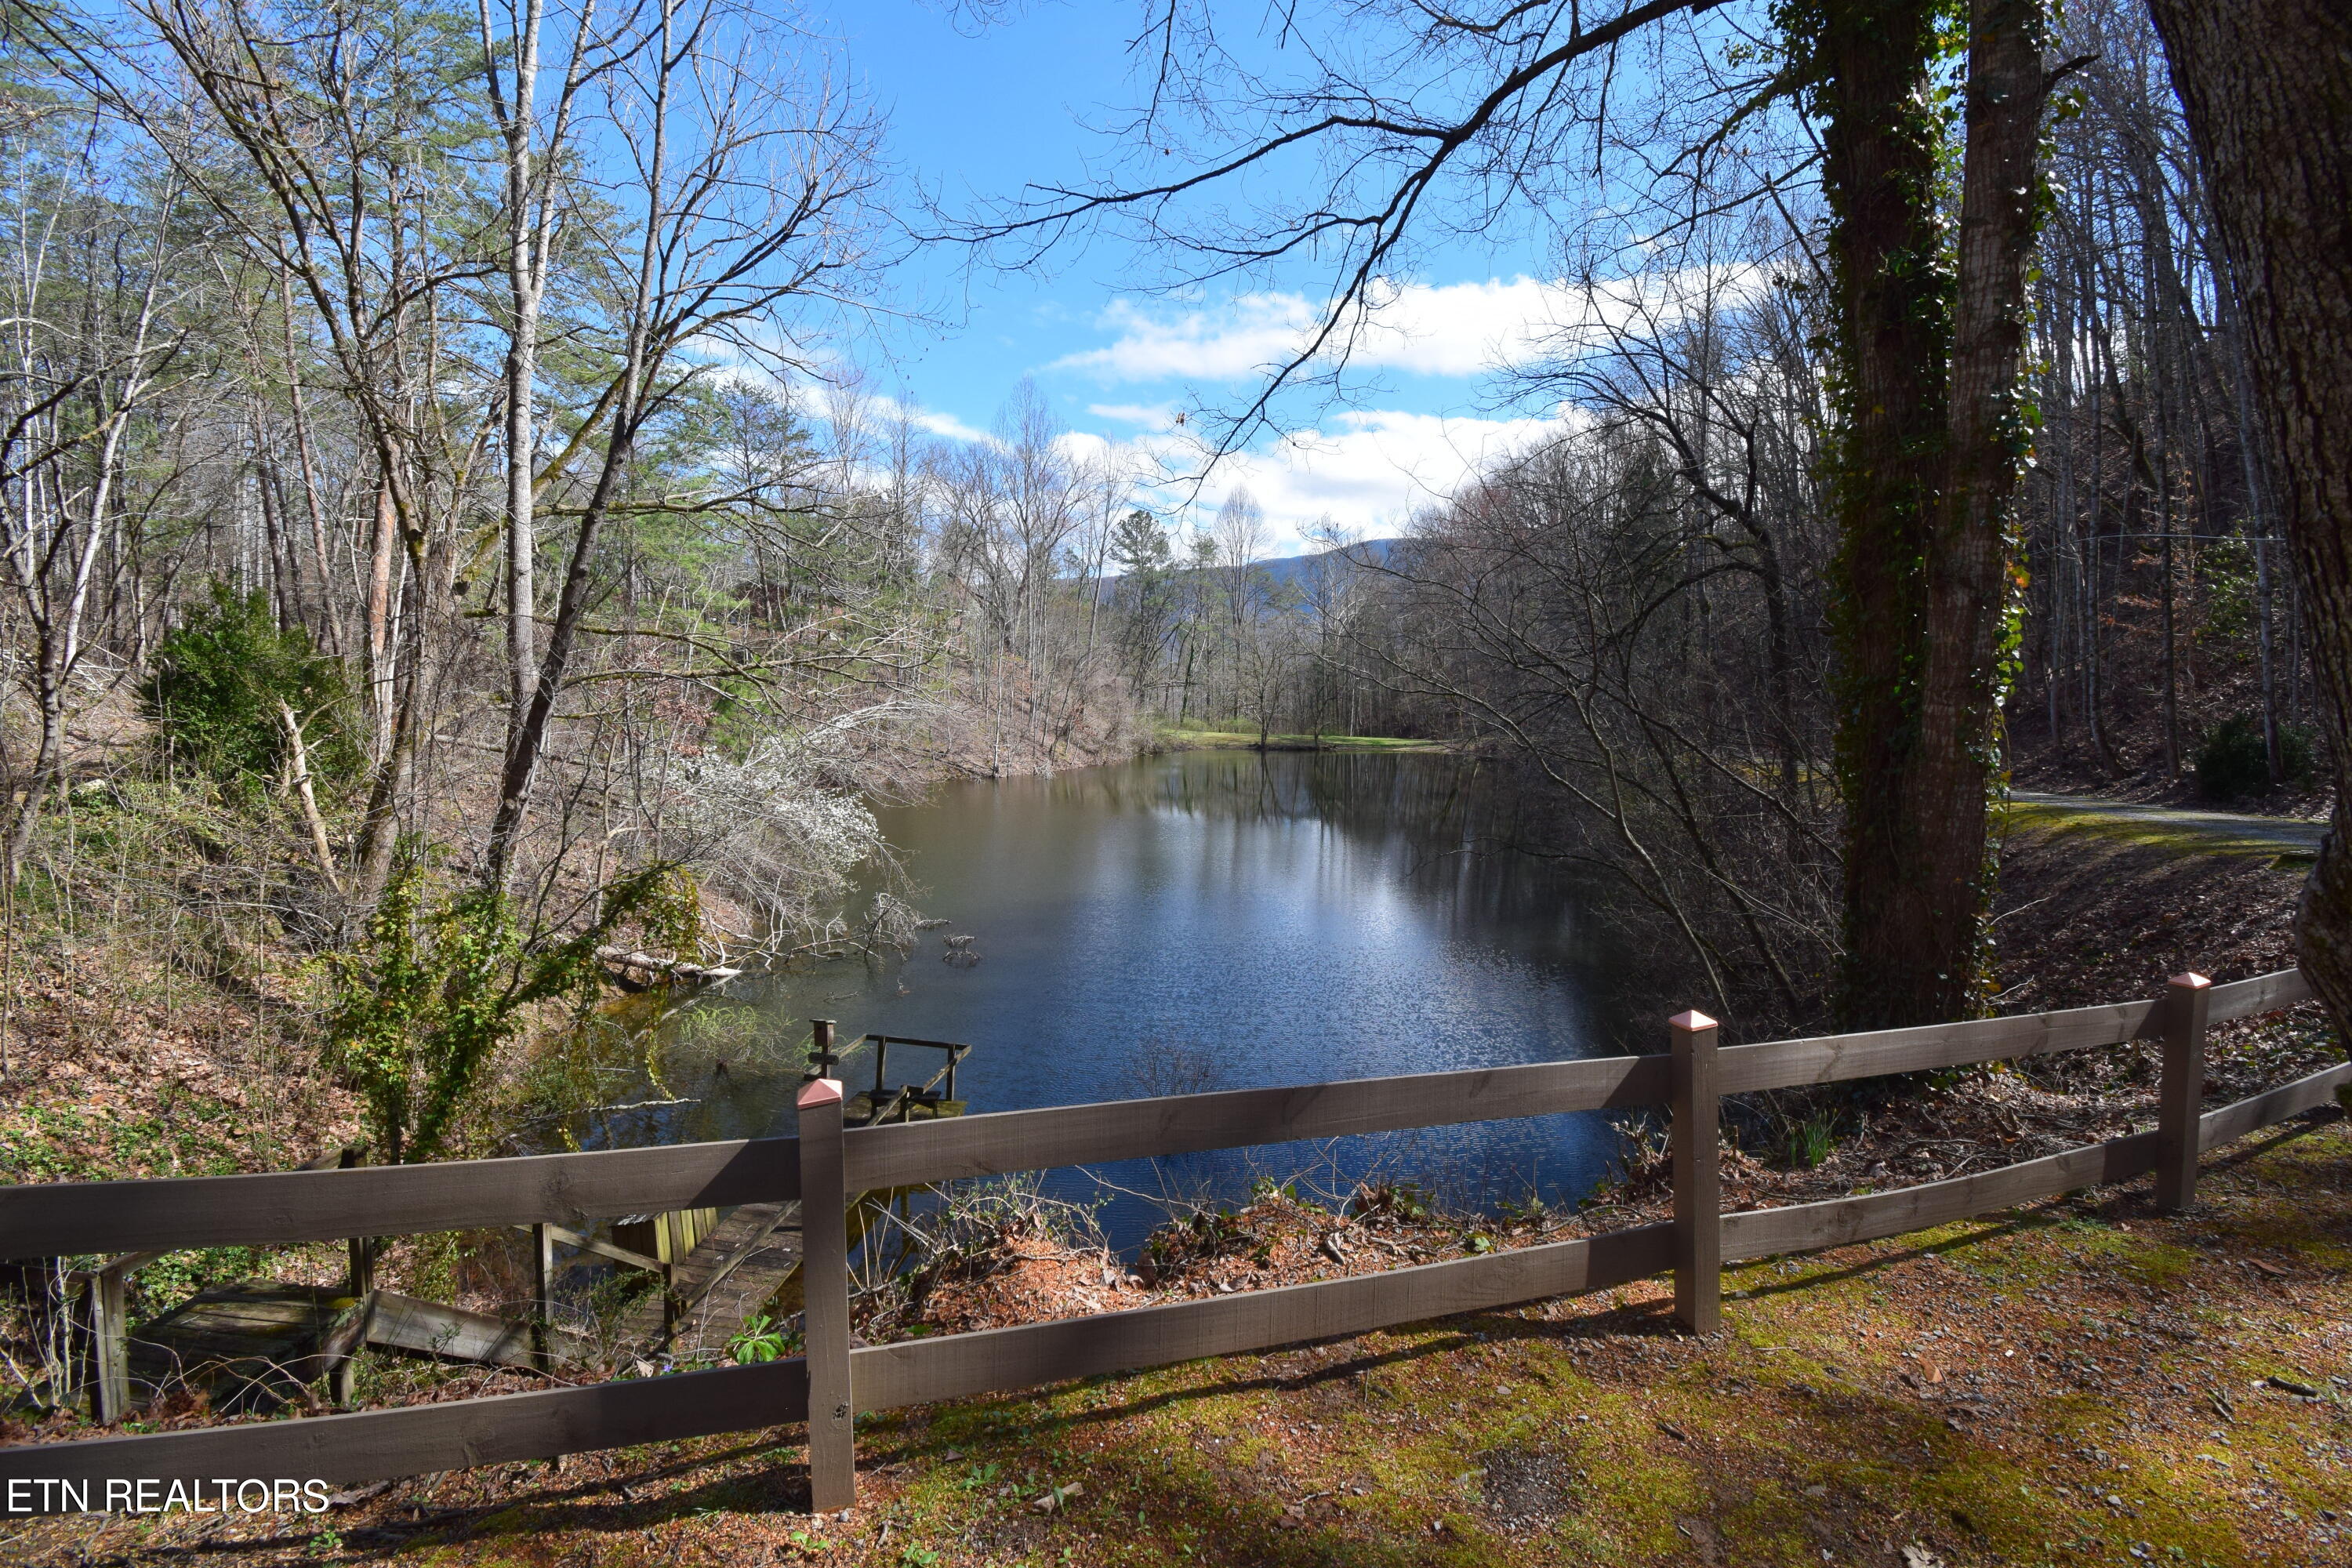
{"x": 825, "y": 1163}
{"x": 278, "y": 1207}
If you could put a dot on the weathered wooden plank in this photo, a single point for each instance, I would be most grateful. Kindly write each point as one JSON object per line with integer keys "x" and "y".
{"x": 2262, "y": 994}
{"x": 916, "y": 1372}
{"x": 250, "y": 1344}
{"x": 1805, "y": 1227}
{"x": 745, "y": 1284}
{"x": 591, "y": 1247}
{"x": 55, "y": 1218}
{"x": 1782, "y": 1064}
{"x": 109, "y": 1365}
{"x": 429, "y": 1327}
{"x": 2233, "y": 1122}
{"x": 910, "y": 1153}
{"x": 381, "y": 1445}
{"x": 666, "y": 1237}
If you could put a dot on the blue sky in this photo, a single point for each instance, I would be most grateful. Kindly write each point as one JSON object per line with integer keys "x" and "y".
{"x": 974, "y": 114}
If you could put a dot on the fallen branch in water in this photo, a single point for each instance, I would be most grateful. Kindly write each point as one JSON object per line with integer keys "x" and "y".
{"x": 639, "y": 971}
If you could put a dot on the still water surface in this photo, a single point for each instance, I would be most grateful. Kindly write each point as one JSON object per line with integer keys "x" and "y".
{"x": 1217, "y": 919}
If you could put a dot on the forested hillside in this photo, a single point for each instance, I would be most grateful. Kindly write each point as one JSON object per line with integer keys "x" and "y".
{"x": 414, "y": 481}
{"x": 443, "y": 541}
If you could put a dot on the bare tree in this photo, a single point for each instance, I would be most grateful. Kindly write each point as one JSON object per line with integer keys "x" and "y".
{"x": 341, "y": 119}
{"x": 534, "y": 148}
{"x": 70, "y": 401}
{"x": 742, "y": 191}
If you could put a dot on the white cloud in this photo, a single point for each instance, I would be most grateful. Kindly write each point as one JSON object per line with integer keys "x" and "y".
{"x": 1151, "y": 415}
{"x": 931, "y": 421}
{"x": 1451, "y": 330}
{"x": 1461, "y": 329}
{"x": 1247, "y": 336}
{"x": 1368, "y": 470}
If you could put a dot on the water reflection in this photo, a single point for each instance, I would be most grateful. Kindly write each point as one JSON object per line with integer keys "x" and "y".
{"x": 1216, "y": 920}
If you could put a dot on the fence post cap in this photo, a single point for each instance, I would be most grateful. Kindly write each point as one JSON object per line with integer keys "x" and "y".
{"x": 2190, "y": 980}
{"x": 820, "y": 1092}
{"x": 1691, "y": 1022}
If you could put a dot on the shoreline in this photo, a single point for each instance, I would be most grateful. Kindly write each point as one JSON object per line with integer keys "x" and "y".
{"x": 1227, "y": 740}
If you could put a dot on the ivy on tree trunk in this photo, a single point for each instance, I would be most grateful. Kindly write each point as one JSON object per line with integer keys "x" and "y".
{"x": 1930, "y": 434}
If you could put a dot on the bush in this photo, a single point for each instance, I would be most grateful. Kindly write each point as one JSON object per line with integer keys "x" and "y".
{"x": 215, "y": 689}
{"x": 436, "y": 986}
{"x": 2231, "y": 762}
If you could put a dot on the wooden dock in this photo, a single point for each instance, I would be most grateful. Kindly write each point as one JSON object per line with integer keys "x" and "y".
{"x": 749, "y": 1266}
{"x": 731, "y": 1278}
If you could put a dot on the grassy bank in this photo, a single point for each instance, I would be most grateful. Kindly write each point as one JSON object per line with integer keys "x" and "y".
{"x": 1175, "y": 740}
{"x": 2079, "y": 1382}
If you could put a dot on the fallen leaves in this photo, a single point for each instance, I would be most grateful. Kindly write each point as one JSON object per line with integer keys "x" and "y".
{"x": 1924, "y": 1376}
{"x": 1055, "y": 1500}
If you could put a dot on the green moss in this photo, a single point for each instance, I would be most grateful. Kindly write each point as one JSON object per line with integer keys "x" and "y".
{"x": 2183, "y": 834}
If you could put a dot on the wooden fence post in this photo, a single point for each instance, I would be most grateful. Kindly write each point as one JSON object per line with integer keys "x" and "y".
{"x": 824, "y": 1285}
{"x": 542, "y": 1297}
{"x": 109, "y": 1349}
{"x": 2181, "y": 1097}
{"x": 361, "y": 1279}
{"x": 1698, "y": 1197}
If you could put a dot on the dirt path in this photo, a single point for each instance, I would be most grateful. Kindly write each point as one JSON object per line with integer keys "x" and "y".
{"x": 2205, "y": 832}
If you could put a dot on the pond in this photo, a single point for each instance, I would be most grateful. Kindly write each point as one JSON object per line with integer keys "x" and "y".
{"x": 1208, "y": 919}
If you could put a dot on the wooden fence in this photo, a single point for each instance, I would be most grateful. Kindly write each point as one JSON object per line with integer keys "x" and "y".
{"x": 834, "y": 1381}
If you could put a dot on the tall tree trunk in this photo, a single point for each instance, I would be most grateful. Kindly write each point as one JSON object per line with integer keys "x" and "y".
{"x": 1880, "y": 142}
{"x": 379, "y": 622}
{"x": 1923, "y": 480}
{"x": 2267, "y": 86}
{"x": 333, "y": 632}
{"x": 49, "y": 765}
{"x": 526, "y": 287}
{"x": 523, "y": 594}
{"x": 1970, "y": 653}
{"x": 418, "y": 590}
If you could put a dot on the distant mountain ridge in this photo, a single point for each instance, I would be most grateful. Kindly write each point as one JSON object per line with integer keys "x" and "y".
{"x": 1289, "y": 571}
